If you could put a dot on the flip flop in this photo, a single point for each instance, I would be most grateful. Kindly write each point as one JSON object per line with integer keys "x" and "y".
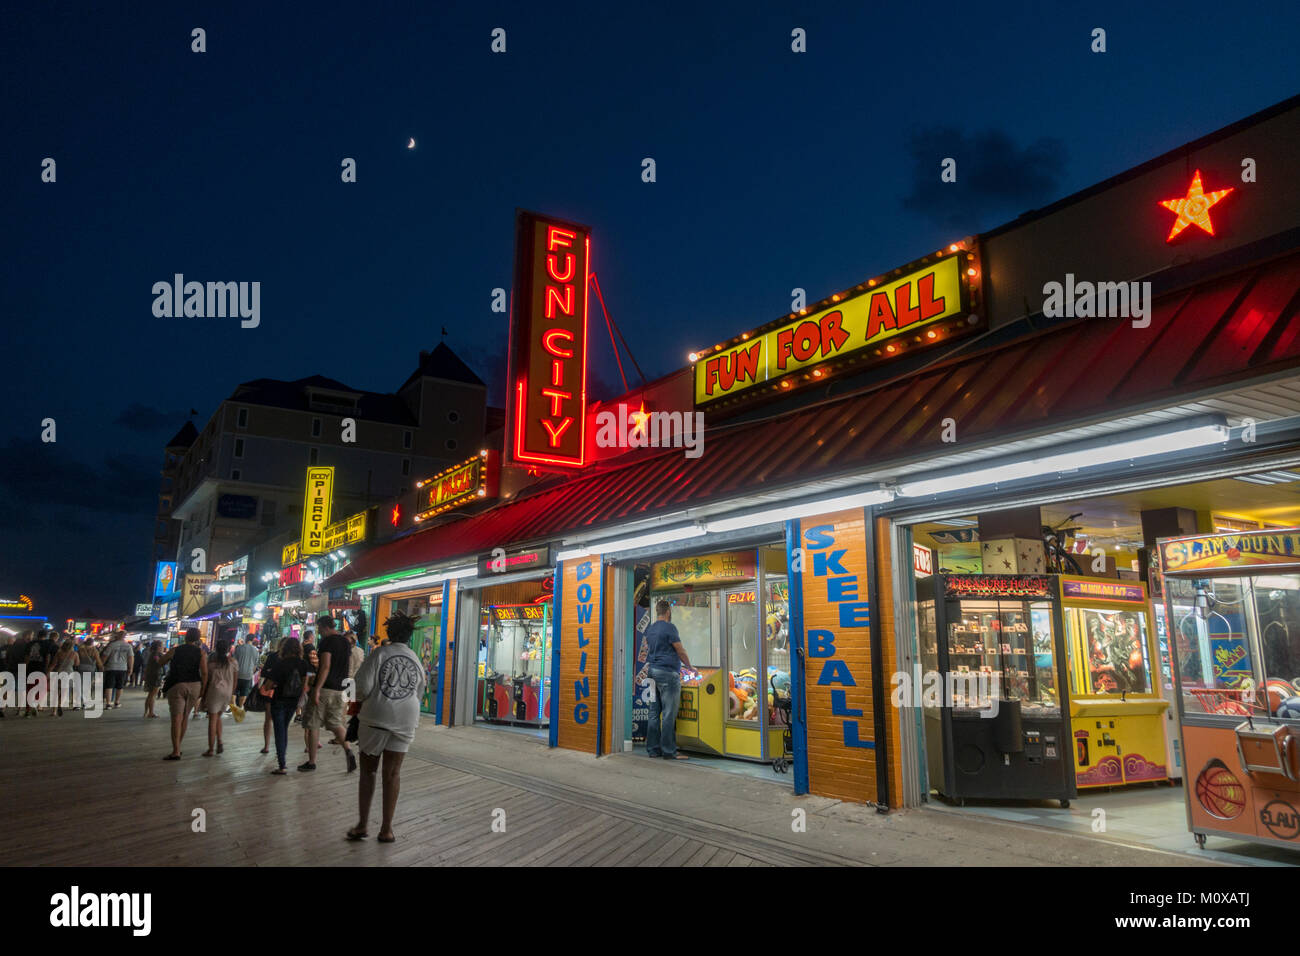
{"x": 172, "y": 757}
{"x": 391, "y": 839}
{"x": 354, "y": 836}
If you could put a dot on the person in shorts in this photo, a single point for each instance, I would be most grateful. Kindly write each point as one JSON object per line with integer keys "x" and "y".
{"x": 389, "y": 685}
{"x": 184, "y": 685}
{"x": 326, "y": 700}
{"x": 119, "y": 661}
{"x": 246, "y": 658}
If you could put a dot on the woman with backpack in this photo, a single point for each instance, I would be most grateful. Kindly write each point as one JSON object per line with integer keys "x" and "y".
{"x": 286, "y": 676}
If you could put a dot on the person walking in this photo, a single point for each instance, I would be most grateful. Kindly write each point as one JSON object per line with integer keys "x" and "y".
{"x": 17, "y": 654}
{"x": 39, "y": 657}
{"x": 665, "y": 656}
{"x": 326, "y": 701}
{"x": 356, "y": 657}
{"x": 285, "y": 673}
{"x": 152, "y": 676}
{"x": 390, "y": 685}
{"x": 218, "y": 688}
{"x": 88, "y": 665}
{"x": 118, "y": 660}
{"x": 63, "y": 688}
{"x": 267, "y": 726}
{"x": 137, "y": 665}
{"x": 246, "y": 659}
{"x": 185, "y": 678}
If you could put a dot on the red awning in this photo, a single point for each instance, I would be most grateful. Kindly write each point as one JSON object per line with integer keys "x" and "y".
{"x": 1211, "y": 335}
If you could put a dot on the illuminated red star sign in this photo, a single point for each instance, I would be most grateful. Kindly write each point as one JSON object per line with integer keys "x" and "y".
{"x": 397, "y": 515}
{"x": 1194, "y": 208}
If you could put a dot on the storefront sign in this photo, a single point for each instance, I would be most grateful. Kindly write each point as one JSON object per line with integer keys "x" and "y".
{"x": 548, "y": 342}
{"x": 922, "y": 561}
{"x": 471, "y": 480}
{"x": 291, "y": 575}
{"x": 243, "y": 507}
{"x": 577, "y": 687}
{"x": 165, "y": 581}
{"x": 289, "y": 555}
{"x": 997, "y": 585}
{"x": 513, "y": 561}
{"x": 231, "y": 568}
{"x": 836, "y": 619}
{"x": 1103, "y": 591}
{"x": 1226, "y": 551}
{"x": 195, "y": 594}
{"x": 718, "y": 568}
{"x": 141, "y": 610}
{"x": 316, "y": 508}
{"x": 348, "y": 531}
{"x": 883, "y": 321}
{"x": 20, "y": 603}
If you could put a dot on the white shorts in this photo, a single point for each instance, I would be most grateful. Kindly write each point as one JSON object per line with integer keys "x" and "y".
{"x": 373, "y": 741}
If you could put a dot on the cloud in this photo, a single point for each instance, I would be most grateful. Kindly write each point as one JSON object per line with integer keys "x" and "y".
{"x": 143, "y": 418}
{"x": 995, "y": 177}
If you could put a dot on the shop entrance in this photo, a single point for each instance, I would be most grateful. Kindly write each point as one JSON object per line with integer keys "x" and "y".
{"x": 513, "y": 679}
{"x": 731, "y": 610}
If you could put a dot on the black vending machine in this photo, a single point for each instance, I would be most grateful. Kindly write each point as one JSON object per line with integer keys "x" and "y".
{"x": 996, "y": 712}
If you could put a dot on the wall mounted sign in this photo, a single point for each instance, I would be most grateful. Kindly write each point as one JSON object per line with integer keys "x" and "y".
{"x": 1219, "y": 552}
{"x": 922, "y": 561}
{"x": 143, "y": 610}
{"x": 472, "y": 480}
{"x": 548, "y": 342}
{"x": 166, "y": 582}
{"x": 514, "y": 561}
{"x": 1193, "y": 209}
{"x": 719, "y": 568}
{"x": 997, "y": 585}
{"x": 350, "y": 530}
{"x": 316, "y": 508}
{"x": 20, "y": 603}
{"x": 289, "y": 554}
{"x": 195, "y": 594}
{"x": 1104, "y": 591}
{"x": 875, "y": 322}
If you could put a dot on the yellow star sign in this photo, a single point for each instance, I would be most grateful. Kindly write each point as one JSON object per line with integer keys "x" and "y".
{"x": 1194, "y": 208}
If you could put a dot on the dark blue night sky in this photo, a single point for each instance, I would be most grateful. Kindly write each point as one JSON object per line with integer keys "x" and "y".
{"x": 775, "y": 170}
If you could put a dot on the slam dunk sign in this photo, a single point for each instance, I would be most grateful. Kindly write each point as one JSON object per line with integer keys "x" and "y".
{"x": 836, "y": 612}
{"x": 885, "y": 319}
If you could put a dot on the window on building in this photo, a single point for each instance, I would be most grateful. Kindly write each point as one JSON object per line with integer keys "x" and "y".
{"x": 314, "y": 453}
{"x": 166, "y": 504}
{"x": 239, "y": 448}
{"x": 315, "y": 428}
{"x": 406, "y": 439}
{"x": 235, "y": 474}
{"x": 406, "y": 466}
{"x": 243, "y": 418}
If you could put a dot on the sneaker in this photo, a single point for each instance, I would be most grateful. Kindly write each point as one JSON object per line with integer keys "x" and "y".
{"x": 306, "y": 767}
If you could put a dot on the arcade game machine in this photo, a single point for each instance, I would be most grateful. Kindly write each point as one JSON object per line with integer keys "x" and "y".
{"x": 1165, "y": 654}
{"x": 514, "y": 649}
{"x": 1116, "y": 711}
{"x": 1233, "y": 606}
{"x": 997, "y": 728}
{"x": 734, "y": 627}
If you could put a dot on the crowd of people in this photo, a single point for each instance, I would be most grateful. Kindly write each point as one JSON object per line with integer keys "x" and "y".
{"x": 297, "y": 681}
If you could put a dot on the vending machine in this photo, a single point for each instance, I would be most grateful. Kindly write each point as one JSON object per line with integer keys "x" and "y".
{"x": 997, "y": 727}
{"x": 1117, "y": 713}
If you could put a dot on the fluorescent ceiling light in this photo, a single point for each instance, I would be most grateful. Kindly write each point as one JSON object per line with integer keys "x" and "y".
{"x": 1269, "y": 478}
{"x": 1110, "y": 454}
{"x": 631, "y": 544}
{"x": 825, "y": 506}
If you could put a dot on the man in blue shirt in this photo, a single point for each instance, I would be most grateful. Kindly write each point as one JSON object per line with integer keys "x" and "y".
{"x": 665, "y": 655}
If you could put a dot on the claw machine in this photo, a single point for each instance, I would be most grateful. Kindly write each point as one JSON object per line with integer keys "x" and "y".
{"x": 997, "y": 727}
{"x": 1117, "y": 713}
{"x": 1232, "y": 602}
{"x": 514, "y": 650}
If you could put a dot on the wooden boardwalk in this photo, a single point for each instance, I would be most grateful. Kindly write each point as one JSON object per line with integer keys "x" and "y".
{"x": 80, "y": 791}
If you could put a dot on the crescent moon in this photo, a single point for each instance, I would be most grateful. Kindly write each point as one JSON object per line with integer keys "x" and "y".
{"x": 411, "y": 144}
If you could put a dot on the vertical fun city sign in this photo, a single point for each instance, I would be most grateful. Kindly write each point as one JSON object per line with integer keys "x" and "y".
{"x": 548, "y": 342}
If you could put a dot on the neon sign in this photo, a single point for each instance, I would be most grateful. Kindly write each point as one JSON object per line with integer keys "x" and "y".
{"x": 1194, "y": 208}
{"x": 316, "y": 508}
{"x": 459, "y": 485}
{"x": 548, "y": 346}
{"x": 22, "y": 602}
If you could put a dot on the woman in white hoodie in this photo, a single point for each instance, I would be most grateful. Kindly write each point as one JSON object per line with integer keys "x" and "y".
{"x": 389, "y": 686}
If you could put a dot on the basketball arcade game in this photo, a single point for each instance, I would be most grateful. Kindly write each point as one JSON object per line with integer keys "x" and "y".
{"x": 1117, "y": 714}
{"x": 1233, "y": 606}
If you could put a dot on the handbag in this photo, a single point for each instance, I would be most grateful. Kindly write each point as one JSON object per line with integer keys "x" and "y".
{"x": 255, "y": 703}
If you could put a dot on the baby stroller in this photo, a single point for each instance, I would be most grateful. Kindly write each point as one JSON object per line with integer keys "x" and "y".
{"x": 780, "y": 716}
